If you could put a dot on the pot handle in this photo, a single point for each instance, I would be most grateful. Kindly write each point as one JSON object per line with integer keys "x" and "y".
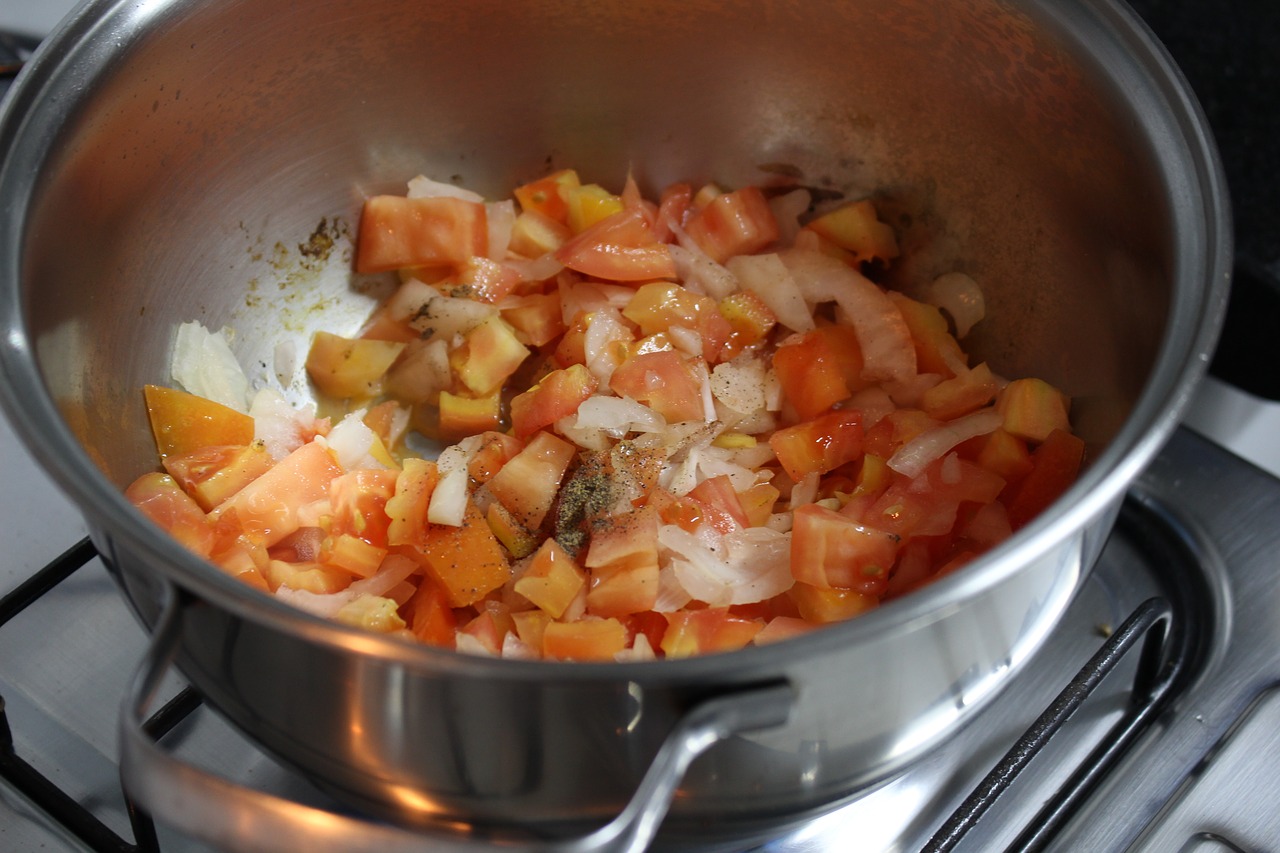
{"x": 215, "y": 810}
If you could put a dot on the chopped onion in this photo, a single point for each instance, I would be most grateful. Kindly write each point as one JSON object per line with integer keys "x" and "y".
{"x": 754, "y": 565}
{"x": 913, "y": 457}
{"x": 280, "y": 427}
{"x": 888, "y": 349}
{"x": 424, "y": 187}
{"x": 501, "y": 216}
{"x": 740, "y": 384}
{"x": 961, "y": 297}
{"x": 805, "y": 491}
{"x": 787, "y": 210}
{"x": 874, "y": 403}
{"x": 768, "y": 278}
{"x": 618, "y": 416}
{"x": 352, "y": 441}
{"x": 698, "y": 271}
{"x": 449, "y": 500}
{"x": 540, "y": 268}
{"x": 204, "y": 365}
{"x": 445, "y": 316}
{"x": 284, "y": 361}
{"x": 393, "y": 571}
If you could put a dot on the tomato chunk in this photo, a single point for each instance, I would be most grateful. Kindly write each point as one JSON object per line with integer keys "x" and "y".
{"x": 736, "y": 223}
{"x": 831, "y": 551}
{"x": 398, "y": 232}
{"x": 620, "y": 247}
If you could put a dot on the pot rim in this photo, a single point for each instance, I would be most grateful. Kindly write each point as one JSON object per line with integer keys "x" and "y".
{"x": 1155, "y": 90}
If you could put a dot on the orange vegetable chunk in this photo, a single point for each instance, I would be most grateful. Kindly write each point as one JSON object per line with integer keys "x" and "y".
{"x": 736, "y": 223}
{"x": 268, "y": 509}
{"x": 466, "y": 561}
{"x": 584, "y": 640}
{"x": 527, "y": 485}
{"x": 830, "y": 550}
{"x": 553, "y": 580}
{"x": 398, "y": 232}
{"x": 182, "y": 422}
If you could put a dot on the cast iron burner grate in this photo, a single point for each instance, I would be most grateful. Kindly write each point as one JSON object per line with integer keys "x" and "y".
{"x": 1164, "y": 632}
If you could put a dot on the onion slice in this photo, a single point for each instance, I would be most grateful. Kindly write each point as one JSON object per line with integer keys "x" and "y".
{"x": 959, "y": 296}
{"x": 913, "y": 457}
{"x": 888, "y": 350}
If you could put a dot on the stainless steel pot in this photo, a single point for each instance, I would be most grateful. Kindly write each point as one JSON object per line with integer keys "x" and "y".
{"x": 190, "y": 159}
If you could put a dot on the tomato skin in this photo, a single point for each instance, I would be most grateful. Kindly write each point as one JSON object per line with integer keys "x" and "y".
{"x": 622, "y": 560}
{"x": 832, "y": 551}
{"x": 664, "y": 381}
{"x": 819, "y": 445}
{"x": 620, "y": 247}
{"x": 736, "y": 223}
{"x": 721, "y": 503}
{"x": 398, "y": 232}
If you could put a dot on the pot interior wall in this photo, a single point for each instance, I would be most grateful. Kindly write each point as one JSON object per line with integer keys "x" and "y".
{"x": 212, "y": 167}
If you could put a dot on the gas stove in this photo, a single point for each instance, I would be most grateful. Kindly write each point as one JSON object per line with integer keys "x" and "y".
{"x": 1148, "y": 723}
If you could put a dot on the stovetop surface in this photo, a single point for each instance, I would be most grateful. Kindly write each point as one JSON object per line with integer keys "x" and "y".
{"x": 1199, "y": 510}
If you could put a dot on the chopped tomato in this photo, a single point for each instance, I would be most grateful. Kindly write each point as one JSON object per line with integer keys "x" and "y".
{"x": 163, "y": 501}
{"x": 623, "y": 563}
{"x": 620, "y": 247}
{"x": 584, "y": 640}
{"x": 736, "y": 223}
{"x": 810, "y": 373}
{"x": 832, "y": 551}
{"x": 398, "y": 232}
{"x": 213, "y": 474}
{"x": 466, "y": 560}
{"x": 819, "y": 445}
{"x": 182, "y": 422}
{"x": 701, "y": 632}
{"x": 553, "y": 580}
{"x": 721, "y": 503}
{"x": 1055, "y": 464}
{"x": 664, "y": 381}
{"x": 528, "y": 483}
{"x": 659, "y": 305}
{"x": 270, "y": 507}
{"x": 557, "y": 396}
{"x": 545, "y": 196}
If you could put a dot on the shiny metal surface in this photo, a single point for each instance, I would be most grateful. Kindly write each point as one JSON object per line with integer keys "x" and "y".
{"x": 186, "y": 149}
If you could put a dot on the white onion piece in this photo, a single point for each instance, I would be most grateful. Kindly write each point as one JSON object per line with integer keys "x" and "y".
{"x": 467, "y": 644}
{"x": 284, "y": 361}
{"x": 888, "y": 350}
{"x": 449, "y": 500}
{"x": 352, "y": 442}
{"x": 768, "y": 278}
{"x": 605, "y": 328}
{"x": 640, "y": 651}
{"x": 537, "y": 269}
{"x": 410, "y": 298}
{"x": 874, "y": 403}
{"x": 394, "y": 570}
{"x": 805, "y": 491}
{"x": 618, "y": 416}
{"x": 204, "y": 365}
{"x": 685, "y": 340}
{"x": 515, "y": 648}
{"x": 740, "y": 384}
{"x": 913, "y": 457}
{"x": 501, "y": 217}
{"x": 787, "y": 210}
{"x": 442, "y": 316}
{"x": 672, "y": 596}
{"x": 424, "y": 187}
{"x": 280, "y": 427}
{"x": 698, "y": 271}
{"x": 961, "y": 297}
{"x": 753, "y": 565}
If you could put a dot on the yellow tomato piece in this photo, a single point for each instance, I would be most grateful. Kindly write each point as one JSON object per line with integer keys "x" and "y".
{"x": 182, "y": 422}
{"x": 588, "y": 204}
{"x": 346, "y": 368}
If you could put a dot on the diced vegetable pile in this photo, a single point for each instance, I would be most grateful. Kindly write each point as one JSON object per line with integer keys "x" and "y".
{"x": 670, "y": 429}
